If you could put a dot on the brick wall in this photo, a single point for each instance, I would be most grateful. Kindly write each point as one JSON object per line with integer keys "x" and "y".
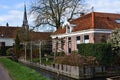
{"x": 98, "y": 37}
{"x": 93, "y": 38}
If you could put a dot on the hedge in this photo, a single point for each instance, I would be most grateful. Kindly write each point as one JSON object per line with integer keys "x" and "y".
{"x": 102, "y": 52}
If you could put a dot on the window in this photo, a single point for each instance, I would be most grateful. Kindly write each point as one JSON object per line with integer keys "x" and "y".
{"x": 86, "y": 38}
{"x": 77, "y": 41}
{"x": 69, "y": 42}
{"x": 69, "y": 38}
{"x": 117, "y": 21}
{"x": 68, "y": 29}
{"x": 69, "y": 45}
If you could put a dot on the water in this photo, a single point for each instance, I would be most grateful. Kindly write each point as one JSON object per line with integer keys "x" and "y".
{"x": 50, "y": 75}
{"x": 54, "y": 76}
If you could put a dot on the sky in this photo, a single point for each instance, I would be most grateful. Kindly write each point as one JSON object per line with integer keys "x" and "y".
{"x": 109, "y": 6}
{"x": 11, "y": 11}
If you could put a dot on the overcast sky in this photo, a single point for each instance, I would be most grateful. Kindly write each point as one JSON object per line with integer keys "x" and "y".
{"x": 11, "y": 11}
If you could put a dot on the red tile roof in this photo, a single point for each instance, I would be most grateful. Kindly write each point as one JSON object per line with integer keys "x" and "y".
{"x": 93, "y": 20}
{"x": 40, "y": 36}
{"x": 8, "y": 32}
{"x": 60, "y": 30}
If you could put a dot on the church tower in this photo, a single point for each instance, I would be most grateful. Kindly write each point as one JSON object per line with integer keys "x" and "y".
{"x": 25, "y": 21}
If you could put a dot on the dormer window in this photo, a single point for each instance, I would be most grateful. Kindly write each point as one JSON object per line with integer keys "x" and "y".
{"x": 68, "y": 26}
{"x": 117, "y": 21}
{"x": 68, "y": 29}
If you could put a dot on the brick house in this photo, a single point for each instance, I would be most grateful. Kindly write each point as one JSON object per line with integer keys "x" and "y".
{"x": 89, "y": 28}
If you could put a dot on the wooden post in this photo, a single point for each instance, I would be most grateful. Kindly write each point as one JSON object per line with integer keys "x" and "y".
{"x": 56, "y": 48}
{"x": 84, "y": 70}
{"x": 31, "y": 51}
{"x": 40, "y": 51}
{"x": 25, "y": 50}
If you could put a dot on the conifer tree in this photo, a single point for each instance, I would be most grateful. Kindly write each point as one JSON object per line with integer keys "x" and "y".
{"x": 17, "y": 47}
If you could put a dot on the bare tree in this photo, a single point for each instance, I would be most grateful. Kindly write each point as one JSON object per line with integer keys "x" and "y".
{"x": 52, "y": 12}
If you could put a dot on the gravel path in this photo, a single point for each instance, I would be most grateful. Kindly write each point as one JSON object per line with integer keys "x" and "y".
{"x": 4, "y": 74}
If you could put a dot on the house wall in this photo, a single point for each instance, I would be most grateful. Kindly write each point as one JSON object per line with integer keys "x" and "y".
{"x": 73, "y": 41}
{"x": 98, "y": 37}
{"x": 65, "y": 45}
{"x": 8, "y": 41}
{"x": 56, "y": 45}
{"x": 95, "y": 36}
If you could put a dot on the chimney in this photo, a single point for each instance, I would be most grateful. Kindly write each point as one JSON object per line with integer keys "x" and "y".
{"x": 7, "y": 25}
{"x": 82, "y": 14}
{"x": 93, "y": 19}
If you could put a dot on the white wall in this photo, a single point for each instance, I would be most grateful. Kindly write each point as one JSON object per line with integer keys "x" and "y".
{"x": 8, "y": 41}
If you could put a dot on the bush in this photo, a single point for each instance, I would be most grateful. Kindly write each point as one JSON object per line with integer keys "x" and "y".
{"x": 102, "y": 52}
{"x": 10, "y": 52}
{"x": 76, "y": 60}
{"x": 60, "y": 53}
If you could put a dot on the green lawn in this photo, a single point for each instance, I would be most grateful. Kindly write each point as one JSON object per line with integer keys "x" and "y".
{"x": 20, "y": 72}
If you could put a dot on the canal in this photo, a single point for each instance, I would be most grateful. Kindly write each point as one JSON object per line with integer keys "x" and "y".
{"x": 54, "y": 76}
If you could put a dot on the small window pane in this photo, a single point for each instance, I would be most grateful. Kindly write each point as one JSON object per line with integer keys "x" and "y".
{"x": 86, "y": 37}
{"x": 69, "y": 38}
{"x": 68, "y": 29}
{"x": 78, "y": 38}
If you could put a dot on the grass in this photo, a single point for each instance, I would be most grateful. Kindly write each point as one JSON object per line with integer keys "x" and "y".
{"x": 20, "y": 72}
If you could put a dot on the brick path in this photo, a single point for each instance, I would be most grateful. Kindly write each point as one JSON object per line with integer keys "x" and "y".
{"x": 4, "y": 74}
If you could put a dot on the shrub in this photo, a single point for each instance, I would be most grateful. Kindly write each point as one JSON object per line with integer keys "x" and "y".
{"x": 76, "y": 60}
{"x": 10, "y": 52}
{"x": 102, "y": 52}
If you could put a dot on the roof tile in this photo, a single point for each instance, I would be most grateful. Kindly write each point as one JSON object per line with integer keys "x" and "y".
{"x": 93, "y": 20}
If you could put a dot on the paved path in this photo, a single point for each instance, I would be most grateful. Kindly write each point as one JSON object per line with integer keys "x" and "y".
{"x": 4, "y": 74}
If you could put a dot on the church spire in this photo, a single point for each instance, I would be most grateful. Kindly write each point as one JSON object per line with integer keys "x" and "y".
{"x": 25, "y": 21}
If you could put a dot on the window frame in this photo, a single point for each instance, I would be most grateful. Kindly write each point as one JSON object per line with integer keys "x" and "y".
{"x": 86, "y": 40}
